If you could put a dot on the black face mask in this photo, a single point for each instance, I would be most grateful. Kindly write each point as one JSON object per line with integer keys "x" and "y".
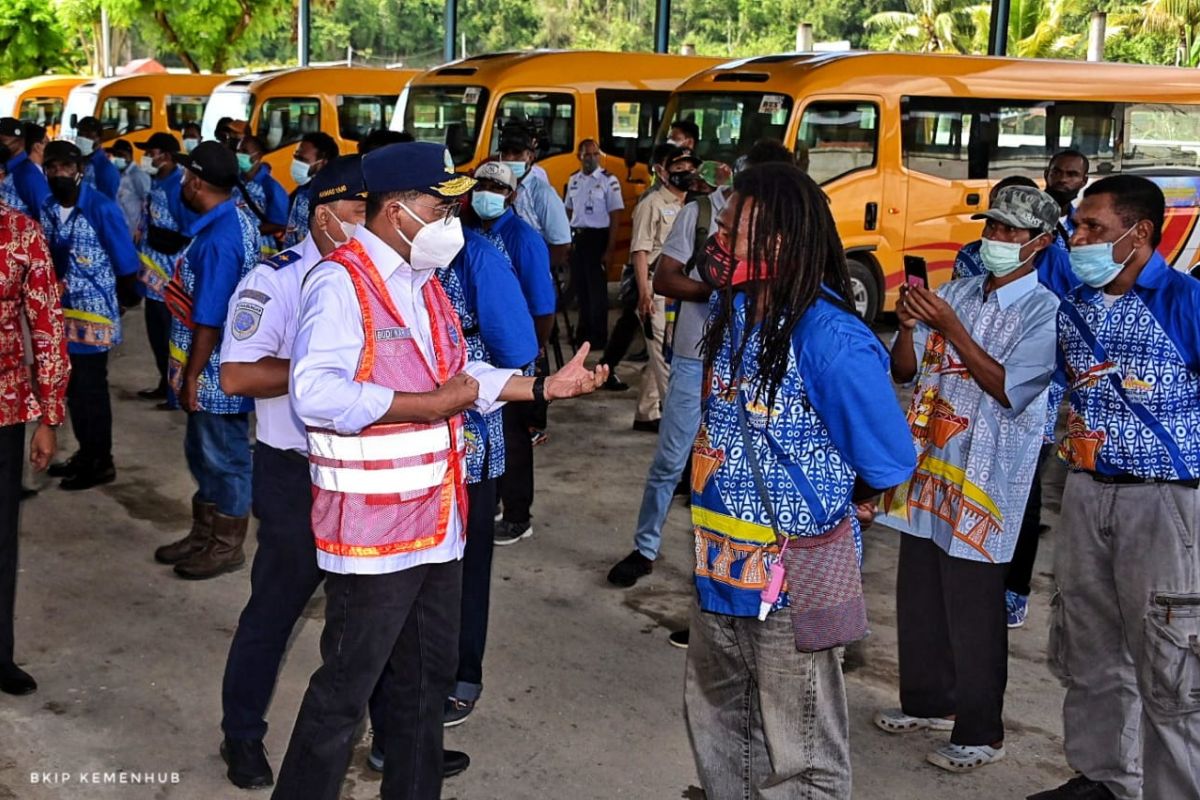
{"x": 65, "y": 189}
{"x": 1062, "y": 196}
{"x": 681, "y": 180}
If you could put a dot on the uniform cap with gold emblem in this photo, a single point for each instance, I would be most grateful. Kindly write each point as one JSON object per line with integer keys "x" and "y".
{"x": 342, "y": 179}
{"x": 414, "y": 167}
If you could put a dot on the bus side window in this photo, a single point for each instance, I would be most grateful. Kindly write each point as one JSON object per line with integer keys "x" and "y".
{"x": 839, "y": 138}
{"x": 627, "y": 117}
{"x": 1158, "y": 136}
{"x": 937, "y": 134}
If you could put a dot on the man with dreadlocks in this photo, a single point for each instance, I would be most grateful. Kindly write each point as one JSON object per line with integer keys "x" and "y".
{"x": 798, "y": 433}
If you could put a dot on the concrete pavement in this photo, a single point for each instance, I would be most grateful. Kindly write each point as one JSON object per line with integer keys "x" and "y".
{"x": 582, "y": 695}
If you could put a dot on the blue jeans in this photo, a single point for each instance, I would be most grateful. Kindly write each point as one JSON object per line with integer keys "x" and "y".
{"x": 217, "y": 448}
{"x": 676, "y": 434}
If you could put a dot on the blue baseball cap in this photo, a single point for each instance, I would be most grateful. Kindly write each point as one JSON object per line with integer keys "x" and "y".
{"x": 414, "y": 167}
{"x": 341, "y": 179}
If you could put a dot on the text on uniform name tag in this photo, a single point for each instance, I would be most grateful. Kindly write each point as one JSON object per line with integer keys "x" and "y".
{"x": 389, "y": 334}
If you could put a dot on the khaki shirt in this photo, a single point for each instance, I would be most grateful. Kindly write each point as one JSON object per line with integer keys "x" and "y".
{"x": 653, "y": 218}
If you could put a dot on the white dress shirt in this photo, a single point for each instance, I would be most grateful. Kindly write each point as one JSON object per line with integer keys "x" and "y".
{"x": 325, "y": 356}
{"x": 264, "y": 313}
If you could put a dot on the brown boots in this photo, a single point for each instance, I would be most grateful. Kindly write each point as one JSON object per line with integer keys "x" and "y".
{"x": 211, "y": 548}
{"x": 197, "y": 538}
{"x": 223, "y": 553}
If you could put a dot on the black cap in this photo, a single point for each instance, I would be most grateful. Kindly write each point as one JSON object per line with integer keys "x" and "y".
{"x": 120, "y": 146}
{"x": 685, "y": 154}
{"x": 416, "y": 167}
{"x": 341, "y": 179}
{"x": 11, "y": 126}
{"x": 60, "y": 150}
{"x": 160, "y": 141}
{"x": 89, "y": 125}
{"x": 213, "y": 163}
{"x": 34, "y": 133}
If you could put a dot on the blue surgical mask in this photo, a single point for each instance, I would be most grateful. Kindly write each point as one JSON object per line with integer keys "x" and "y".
{"x": 1001, "y": 258}
{"x": 119, "y": 163}
{"x": 300, "y": 171}
{"x": 519, "y": 168}
{"x": 1093, "y": 263}
{"x": 245, "y": 162}
{"x": 488, "y": 205}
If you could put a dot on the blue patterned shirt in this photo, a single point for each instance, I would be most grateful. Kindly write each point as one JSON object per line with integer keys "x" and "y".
{"x": 223, "y": 249}
{"x": 834, "y": 420}
{"x": 101, "y": 175}
{"x": 164, "y": 209}
{"x": 1132, "y": 373}
{"x": 9, "y": 196}
{"x": 976, "y": 458}
{"x": 91, "y": 249}
{"x": 272, "y": 201}
{"x": 297, "y": 221}
{"x": 484, "y": 291}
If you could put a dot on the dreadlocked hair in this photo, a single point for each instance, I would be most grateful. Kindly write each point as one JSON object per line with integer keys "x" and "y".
{"x": 795, "y": 256}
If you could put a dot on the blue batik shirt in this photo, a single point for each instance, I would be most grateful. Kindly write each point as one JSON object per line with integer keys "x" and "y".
{"x": 1132, "y": 374}
{"x": 99, "y": 173}
{"x": 223, "y": 249}
{"x": 297, "y": 221}
{"x": 9, "y": 196}
{"x": 484, "y": 291}
{"x": 975, "y": 457}
{"x": 164, "y": 209}
{"x": 272, "y": 201}
{"x": 91, "y": 249}
{"x": 531, "y": 258}
{"x": 833, "y": 419}
{"x": 968, "y": 262}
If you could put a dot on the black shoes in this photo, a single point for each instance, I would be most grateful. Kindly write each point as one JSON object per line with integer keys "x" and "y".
{"x": 1078, "y": 788}
{"x": 512, "y": 532}
{"x": 89, "y": 475}
{"x": 454, "y": 762}
{"x": 14, "y": 680}
{"x": 613, "y": 384}
{"x": 456, "y": 711}
{"x": 65, "y": 469}
{"x": 646, "y": 425}
{"x": 629, "y": 569}
{"x": 248, "y": 765}
{"x": 157, "y": 393}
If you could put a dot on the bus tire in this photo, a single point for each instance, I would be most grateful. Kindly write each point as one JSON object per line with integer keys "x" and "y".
{"x": 864, "y": 286}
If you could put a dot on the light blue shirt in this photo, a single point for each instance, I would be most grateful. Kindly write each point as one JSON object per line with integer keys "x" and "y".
{"x": 976, "y": 458}
{"x": 538, "y": 204}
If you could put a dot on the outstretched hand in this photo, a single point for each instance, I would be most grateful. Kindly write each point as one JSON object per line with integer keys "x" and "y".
{"x": 575, "y": 379}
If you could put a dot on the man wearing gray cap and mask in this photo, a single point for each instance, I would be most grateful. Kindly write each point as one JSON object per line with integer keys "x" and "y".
{"x": 380, "y": 377}
{"x": 982, "y": 353}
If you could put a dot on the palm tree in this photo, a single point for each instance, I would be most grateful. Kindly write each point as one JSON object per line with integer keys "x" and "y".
{"x": 1181, "y": 17}
{"x": 1036, "y": 28}
{"x": 928, "y": 26}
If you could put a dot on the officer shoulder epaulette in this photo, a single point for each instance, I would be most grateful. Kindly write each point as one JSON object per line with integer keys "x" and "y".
{"x": 282, "y": 259}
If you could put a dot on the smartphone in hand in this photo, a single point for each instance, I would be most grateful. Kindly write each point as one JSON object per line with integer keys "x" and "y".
{"x": 915, "y": 271}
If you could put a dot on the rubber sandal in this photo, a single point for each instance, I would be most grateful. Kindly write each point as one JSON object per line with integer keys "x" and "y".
{"x": 893, "y": 720}
{"x": 964, "y": 758}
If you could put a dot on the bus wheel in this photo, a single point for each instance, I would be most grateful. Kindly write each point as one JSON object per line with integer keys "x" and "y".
{"x": 865, "y": 290}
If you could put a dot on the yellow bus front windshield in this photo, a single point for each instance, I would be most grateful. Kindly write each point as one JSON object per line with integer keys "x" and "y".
{"x": 449, "y": 115}
{"x": 731, "y": 122}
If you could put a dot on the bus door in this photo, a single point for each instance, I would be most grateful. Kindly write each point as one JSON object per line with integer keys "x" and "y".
{"x": 945, "y": 157}
{"x": 838, "y": 145}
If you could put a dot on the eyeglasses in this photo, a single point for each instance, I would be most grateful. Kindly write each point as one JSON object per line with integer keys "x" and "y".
{"x": 445, "y": 212}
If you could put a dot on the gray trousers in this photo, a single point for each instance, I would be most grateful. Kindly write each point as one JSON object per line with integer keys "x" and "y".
{"x": 1125, "y": 635}
{"x": 766, "y": 722}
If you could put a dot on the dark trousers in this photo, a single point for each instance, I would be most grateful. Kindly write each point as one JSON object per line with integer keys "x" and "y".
{"x": 1020, "y": 569}
{"x": 516, "y": 484}
{"x": 282, "y": 581}
{"x": 953, "y": 640}
{"x": 408, "y": 620}
{"x": 589, "y": 246}
{"x": 158, "y": 331}
{"x": 89, "y": 406}
{"x": 12, "y": 458}
{"x": 623, "y": 331}
{"x": 476, "y": 589}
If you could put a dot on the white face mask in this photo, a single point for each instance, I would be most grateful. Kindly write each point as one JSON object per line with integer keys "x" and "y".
{"x": 347, "y": 228}
{"x": 119, "y": 163}
{"x": 1002, "y": 258}
{"x": 300, "y": 172}
{"x": 190, "y": 144}
{"x": 85, "y": 145}
{"x": 435, "y": 245}
{"x": 147, "y": 164}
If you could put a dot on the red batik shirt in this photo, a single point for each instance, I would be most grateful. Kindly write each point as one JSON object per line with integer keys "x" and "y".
{"x": 28, "y": 287}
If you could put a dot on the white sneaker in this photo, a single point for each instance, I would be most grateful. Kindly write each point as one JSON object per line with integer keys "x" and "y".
{"x": 964, "y": 758}
{"x": 893, "y": 720}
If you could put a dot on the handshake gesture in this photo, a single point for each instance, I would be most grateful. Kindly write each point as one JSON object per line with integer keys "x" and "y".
{"x": 462, "y": 391}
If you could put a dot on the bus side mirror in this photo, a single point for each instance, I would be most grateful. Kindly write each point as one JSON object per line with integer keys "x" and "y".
{"x": 631, "y": 154}
{"x": 74, "y": 121}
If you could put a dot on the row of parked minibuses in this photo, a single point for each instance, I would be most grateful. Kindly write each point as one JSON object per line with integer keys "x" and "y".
{"x": 905, "y": 146}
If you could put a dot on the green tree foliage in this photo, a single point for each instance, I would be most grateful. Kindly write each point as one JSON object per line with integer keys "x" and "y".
{"x": 32, "y": 40}
{"x": 926, "y": 26}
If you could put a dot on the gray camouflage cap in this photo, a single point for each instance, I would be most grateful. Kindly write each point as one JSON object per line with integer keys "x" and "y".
{"x": 1024, "y": 207}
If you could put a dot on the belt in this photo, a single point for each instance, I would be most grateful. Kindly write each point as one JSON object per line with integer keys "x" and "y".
{"x": 1125, "y": 479}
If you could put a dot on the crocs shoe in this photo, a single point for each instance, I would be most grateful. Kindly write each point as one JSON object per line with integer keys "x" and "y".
{"x": 893, "y": 720}
{"x": 964, "y": 758}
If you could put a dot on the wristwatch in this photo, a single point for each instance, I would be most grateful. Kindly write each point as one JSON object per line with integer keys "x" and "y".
{"x": 539, "y": 389}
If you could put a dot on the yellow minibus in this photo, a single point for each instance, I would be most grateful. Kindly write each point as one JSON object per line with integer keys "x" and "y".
{"x": 135, "y": 106}
{"x": 907, "y": 145}
{"x": 38, "y": 100}
{"x": 345, "y": 102}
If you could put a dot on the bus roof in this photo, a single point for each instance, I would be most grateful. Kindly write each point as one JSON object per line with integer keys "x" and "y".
{"x": 575, "y": 67}
{"x": 940, "y": 75}
{"x": 300, "y": 79}
{"x": 44, "y": 82}
{"x": 132, "y": 83}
